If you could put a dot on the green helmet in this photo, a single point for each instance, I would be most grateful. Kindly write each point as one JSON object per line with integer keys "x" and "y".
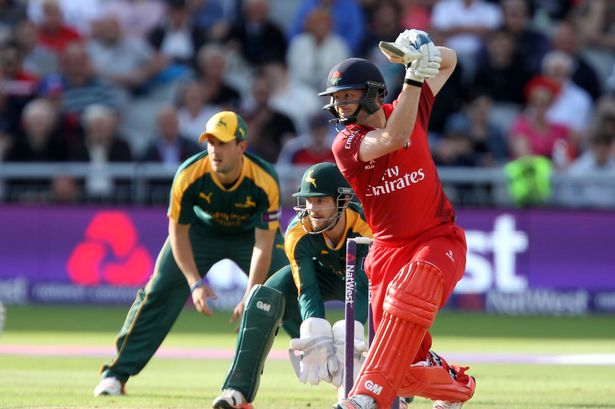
{"x": 320, "y": 180}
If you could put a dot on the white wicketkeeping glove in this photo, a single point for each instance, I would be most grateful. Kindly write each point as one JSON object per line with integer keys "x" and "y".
{"x": 318, "y": 360}
{"x": 406, "y": 47}
{"x": 339, "y": 343}
{"x": 427, "y": 66}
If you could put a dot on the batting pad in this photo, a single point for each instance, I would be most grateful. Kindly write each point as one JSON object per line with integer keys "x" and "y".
{"x": 259, "y": 325}
{"x": 410, "y": 306}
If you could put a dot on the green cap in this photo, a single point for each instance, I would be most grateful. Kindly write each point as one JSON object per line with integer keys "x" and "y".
{"x": 225, "y": 126}
{"x": 322, "y": 179}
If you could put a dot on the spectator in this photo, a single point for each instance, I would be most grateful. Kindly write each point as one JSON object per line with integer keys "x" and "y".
{"x": 102, "y": 143}
{"x": 573, "y": 105}
{"x": 170, "y": 147}
{"x": 416, "y": 14}
{"x": 311, "y": 147}
{"x": 595, "y": 26}
{"x": 532, "y": 133}
{"x": 209, "y": 16}
{"x": 16, "y": 84}
{"x": 531, "y": 44}
{"x": 597, "y": 162}
{"x": 348, "y": 19}
{"x": 11, "y": 13}
{"x": 269, "y": 128}
{"x": 129, "y": 63}
{"x": 463, "y": 26}
{"x": 500, "y": 74}
{"x": 314, "y": 51}
{"x": 39, "y": 141}
{"x": 257, "y": 38}
{"x": 194, "y": 109}
{"x": 210, "y": 72}
{"x": 77, "y": 14}
{"x": 37, "y": 58}
{"x": 384, "y": 25}
{"x": 283, "y": 89}
{"x": 565, "y": 38}
{"x": 53, "y": 32}
{"x": 65, "y": 190}
{"x": 176, "y": 37}
{"x": 100, "y": 147}
{"x": 136, "y": 17}
{"x": 488, "y": 143}
{"x": 76, "y": 87}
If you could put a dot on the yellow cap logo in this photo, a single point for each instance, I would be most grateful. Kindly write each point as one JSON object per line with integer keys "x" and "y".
{"x": 310, "y": 179}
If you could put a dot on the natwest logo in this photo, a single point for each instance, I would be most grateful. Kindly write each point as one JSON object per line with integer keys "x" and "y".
{"x": 393, "y": 181}
{"x": 110, "y": 253}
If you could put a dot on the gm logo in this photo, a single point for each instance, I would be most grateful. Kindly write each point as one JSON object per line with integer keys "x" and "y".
{"x": 263, "y": 306}
{"x": 374, "y": 387}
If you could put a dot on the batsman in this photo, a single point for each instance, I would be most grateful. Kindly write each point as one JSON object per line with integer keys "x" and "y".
{"x": 225, "y": 203}
{"x": 294, "y": 296}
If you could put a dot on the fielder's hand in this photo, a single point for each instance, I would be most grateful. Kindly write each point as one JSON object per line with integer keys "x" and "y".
{"x": 200, "y": 295}
{"x": 318, "y": 360}
{"x": 406, "y": 47}
{"x": 339, "y": 344}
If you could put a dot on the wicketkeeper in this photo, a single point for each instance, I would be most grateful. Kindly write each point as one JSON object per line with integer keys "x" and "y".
{"x": 315, "y": 244}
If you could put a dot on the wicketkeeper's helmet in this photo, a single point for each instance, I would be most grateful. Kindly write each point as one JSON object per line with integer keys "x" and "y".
{"x": 355, "y": 73}
{"x": 320, "y": 180}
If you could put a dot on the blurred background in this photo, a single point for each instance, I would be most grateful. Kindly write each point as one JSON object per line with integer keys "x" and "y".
{"x": 101, "y": 100}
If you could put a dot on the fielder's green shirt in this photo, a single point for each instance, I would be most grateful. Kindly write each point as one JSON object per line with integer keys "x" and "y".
{"x": 313, "y": 260}
{"x": 253, "y": 201}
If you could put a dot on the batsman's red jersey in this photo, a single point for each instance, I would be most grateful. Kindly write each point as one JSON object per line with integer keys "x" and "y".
{"x": 401, "y": 192}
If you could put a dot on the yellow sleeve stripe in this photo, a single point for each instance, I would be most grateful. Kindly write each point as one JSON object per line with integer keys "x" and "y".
{"x": 290, "y": 244}
{"x": 269, "y": 185}
{"x": 181, "y": 183}
{"x": 357, "y": 224}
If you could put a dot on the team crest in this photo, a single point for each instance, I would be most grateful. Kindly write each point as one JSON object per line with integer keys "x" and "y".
{"x": 309, "y": 179}
{"x": 335, "y": 78}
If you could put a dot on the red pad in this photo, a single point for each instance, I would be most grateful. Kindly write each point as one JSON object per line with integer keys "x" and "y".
{"x": 410, "y": 307}
{"x": 436, "y": 383}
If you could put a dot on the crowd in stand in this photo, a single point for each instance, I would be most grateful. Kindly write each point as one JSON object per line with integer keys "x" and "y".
{"x": 101, "y": 81}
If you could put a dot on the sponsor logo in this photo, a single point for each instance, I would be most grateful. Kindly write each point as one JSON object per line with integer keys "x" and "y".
{"x": 207, "y": 197}
{"x": 392, "y": 181}
{"x": 263, "y": 306}
{"x": 246, "y": 204}
{"x": 370, "y": 165}
{"x": 349, "y": 139}
{"x": 538, "y": 301}
{"x": 373, "y": 387}
{"x": 324, "y": 252}
{"x": 221, "y": 123}
{"x": 449, "y": 254}
{"x": 350, "y": 286}
{"x": 271, "y": 216}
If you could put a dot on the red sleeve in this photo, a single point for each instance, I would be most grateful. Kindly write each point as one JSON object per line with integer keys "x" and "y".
{"x": 346, "y": 149}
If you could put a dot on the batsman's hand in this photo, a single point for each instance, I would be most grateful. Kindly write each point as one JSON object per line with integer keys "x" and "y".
{"x": 200, "y": 295}
{"x": 339, "y": 345}
{"x": 406, "y": 47}
{"x": 315, "y": 346}
{"x": 427, "y": 66}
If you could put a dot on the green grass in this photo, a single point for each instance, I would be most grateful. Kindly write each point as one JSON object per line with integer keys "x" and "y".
{"x": 54, "y": 382}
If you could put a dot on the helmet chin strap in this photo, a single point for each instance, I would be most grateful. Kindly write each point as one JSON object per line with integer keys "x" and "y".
{"x": 305, "y": 218}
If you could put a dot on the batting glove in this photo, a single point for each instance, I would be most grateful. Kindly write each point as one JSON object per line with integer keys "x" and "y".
{"x": 406, "y": 47}
{"x": 339, "y": 344}
{"x": 427, "y": 66}
{"x": 315, "y": 346}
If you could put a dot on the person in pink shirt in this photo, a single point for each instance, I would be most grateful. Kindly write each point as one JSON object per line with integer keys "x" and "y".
{"x": 531, "y": 133}
{"x": 419, "y": 252}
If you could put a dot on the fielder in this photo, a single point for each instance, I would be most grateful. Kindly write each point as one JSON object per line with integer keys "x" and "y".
{"x": 225, "y": 203}
{"x": 316, "y": 248}
{"x": 419, "y": 252}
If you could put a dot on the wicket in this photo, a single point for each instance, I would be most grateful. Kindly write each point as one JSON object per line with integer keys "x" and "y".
{"x": 349, "y": 311}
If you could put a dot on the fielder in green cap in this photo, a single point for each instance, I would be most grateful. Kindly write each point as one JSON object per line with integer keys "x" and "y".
{"x": 225, "y": 204}
{"x": 294, "y": 296}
